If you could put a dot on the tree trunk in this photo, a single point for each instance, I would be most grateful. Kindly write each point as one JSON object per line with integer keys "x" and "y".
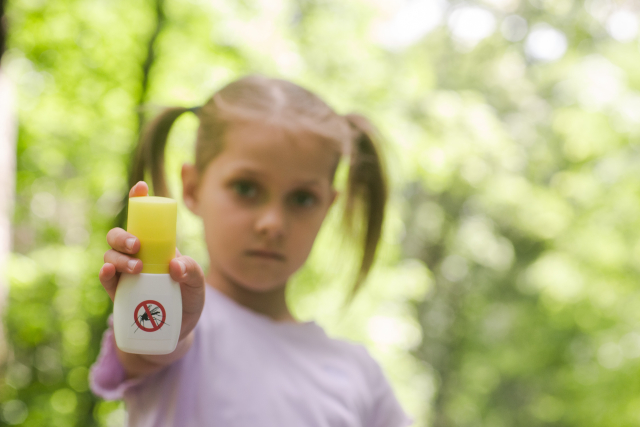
{"x": 7, "y": 176}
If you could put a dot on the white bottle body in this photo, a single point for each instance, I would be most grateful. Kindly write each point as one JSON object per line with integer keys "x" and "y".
{"x": 147, "y": 313}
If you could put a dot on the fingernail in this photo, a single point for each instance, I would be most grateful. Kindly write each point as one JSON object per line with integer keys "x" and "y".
{"x": 183, "y": 268}
{"x": 129, "y": 242}
{"x": 132, "y": 264}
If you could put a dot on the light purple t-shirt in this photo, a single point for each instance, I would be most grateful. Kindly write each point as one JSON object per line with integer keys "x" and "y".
{"x": 247, "y": 370}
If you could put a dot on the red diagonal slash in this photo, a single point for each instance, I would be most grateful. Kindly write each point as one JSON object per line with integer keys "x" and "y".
{"x": 153, "y": 322}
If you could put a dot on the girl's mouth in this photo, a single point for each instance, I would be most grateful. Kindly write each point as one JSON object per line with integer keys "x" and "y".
{"x": 265, "y": 254}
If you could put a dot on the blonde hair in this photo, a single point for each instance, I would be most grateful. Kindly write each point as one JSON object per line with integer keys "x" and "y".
{"x": 256, "y": 97}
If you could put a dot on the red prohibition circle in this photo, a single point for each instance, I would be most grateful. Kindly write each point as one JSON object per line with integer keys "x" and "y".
{"x": 155, "y": 326}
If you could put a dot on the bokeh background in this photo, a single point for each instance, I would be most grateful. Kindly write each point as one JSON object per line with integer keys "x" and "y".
{"x": 506, "y": 290}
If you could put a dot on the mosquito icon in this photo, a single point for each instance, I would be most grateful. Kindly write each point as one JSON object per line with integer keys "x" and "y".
{"x": 152, "y": 312}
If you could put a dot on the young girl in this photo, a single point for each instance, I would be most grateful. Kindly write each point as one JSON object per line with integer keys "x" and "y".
{"x": 266, "y": 154}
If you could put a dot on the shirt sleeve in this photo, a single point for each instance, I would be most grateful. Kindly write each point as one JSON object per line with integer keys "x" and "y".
{"x": 107, "y": 375}
{"x": 385, "y": 410}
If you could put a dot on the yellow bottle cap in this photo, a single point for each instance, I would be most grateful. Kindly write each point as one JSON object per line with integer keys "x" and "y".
{"x": 153, "y": 221}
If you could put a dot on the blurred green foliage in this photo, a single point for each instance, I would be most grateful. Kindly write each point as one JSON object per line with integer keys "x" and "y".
{"x": 506, "y": 289}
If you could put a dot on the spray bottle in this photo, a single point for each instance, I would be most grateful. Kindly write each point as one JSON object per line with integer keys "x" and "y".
{"x": 147, "y": 309}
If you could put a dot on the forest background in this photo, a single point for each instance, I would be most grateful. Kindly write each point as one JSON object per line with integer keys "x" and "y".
{"x": 506, "y": 290}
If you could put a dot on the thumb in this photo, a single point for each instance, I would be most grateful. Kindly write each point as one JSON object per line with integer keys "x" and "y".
{"x": 186, "y": 271}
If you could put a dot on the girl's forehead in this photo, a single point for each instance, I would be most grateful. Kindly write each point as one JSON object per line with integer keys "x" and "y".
{"x": 271, "y": 151}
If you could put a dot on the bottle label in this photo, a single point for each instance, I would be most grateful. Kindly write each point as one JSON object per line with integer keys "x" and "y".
{"x": 151, "y": 317}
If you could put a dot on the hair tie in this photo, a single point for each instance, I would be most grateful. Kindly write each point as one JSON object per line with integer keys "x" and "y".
{"x": 194, "y": 110}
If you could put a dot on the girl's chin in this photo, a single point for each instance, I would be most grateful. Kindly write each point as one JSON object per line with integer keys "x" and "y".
{"x": 259, "y": 284}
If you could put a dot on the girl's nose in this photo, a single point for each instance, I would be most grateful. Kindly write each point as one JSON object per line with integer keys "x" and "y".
{"x": 271, "y": 222}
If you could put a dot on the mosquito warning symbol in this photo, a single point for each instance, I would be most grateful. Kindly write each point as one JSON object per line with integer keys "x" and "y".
{"x": 149, "y": 316}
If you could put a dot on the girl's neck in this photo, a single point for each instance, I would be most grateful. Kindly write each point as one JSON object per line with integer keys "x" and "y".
{"x": 272, "y": 303}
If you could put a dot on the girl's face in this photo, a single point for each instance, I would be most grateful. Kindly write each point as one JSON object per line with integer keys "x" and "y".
{"x": 262, "y": 201}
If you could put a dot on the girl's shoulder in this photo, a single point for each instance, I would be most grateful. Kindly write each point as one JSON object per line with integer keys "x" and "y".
{"x": 359, "y": 356}
{"x": 384, "y": 409}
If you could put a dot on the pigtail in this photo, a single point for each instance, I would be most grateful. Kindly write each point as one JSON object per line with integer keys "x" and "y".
{"x": 366, "y": 191}
{"x": 149, "y": 156}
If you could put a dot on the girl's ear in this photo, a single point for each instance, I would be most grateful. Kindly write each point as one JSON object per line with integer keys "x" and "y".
{"x": 190, "y": 187}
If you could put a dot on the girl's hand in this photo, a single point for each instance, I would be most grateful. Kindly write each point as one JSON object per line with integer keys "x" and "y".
{"x": 183, "y": 269}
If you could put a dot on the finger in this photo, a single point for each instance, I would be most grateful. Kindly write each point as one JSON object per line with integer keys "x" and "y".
{"x": 122, "y": 241}
{"x": 178, "y": 254}
{"x": 186, "y": 271}
{"x": 109, "y": 278}
{"x": 140, "y": 189}
{"x": 191, "y": 283}
{"x": 123, "y": 263}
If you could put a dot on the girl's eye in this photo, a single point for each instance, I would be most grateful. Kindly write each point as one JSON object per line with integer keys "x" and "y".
{"x": 248, "y": 190}
{"x": 304, "y": 199}
{"x": 244, "y": 188}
